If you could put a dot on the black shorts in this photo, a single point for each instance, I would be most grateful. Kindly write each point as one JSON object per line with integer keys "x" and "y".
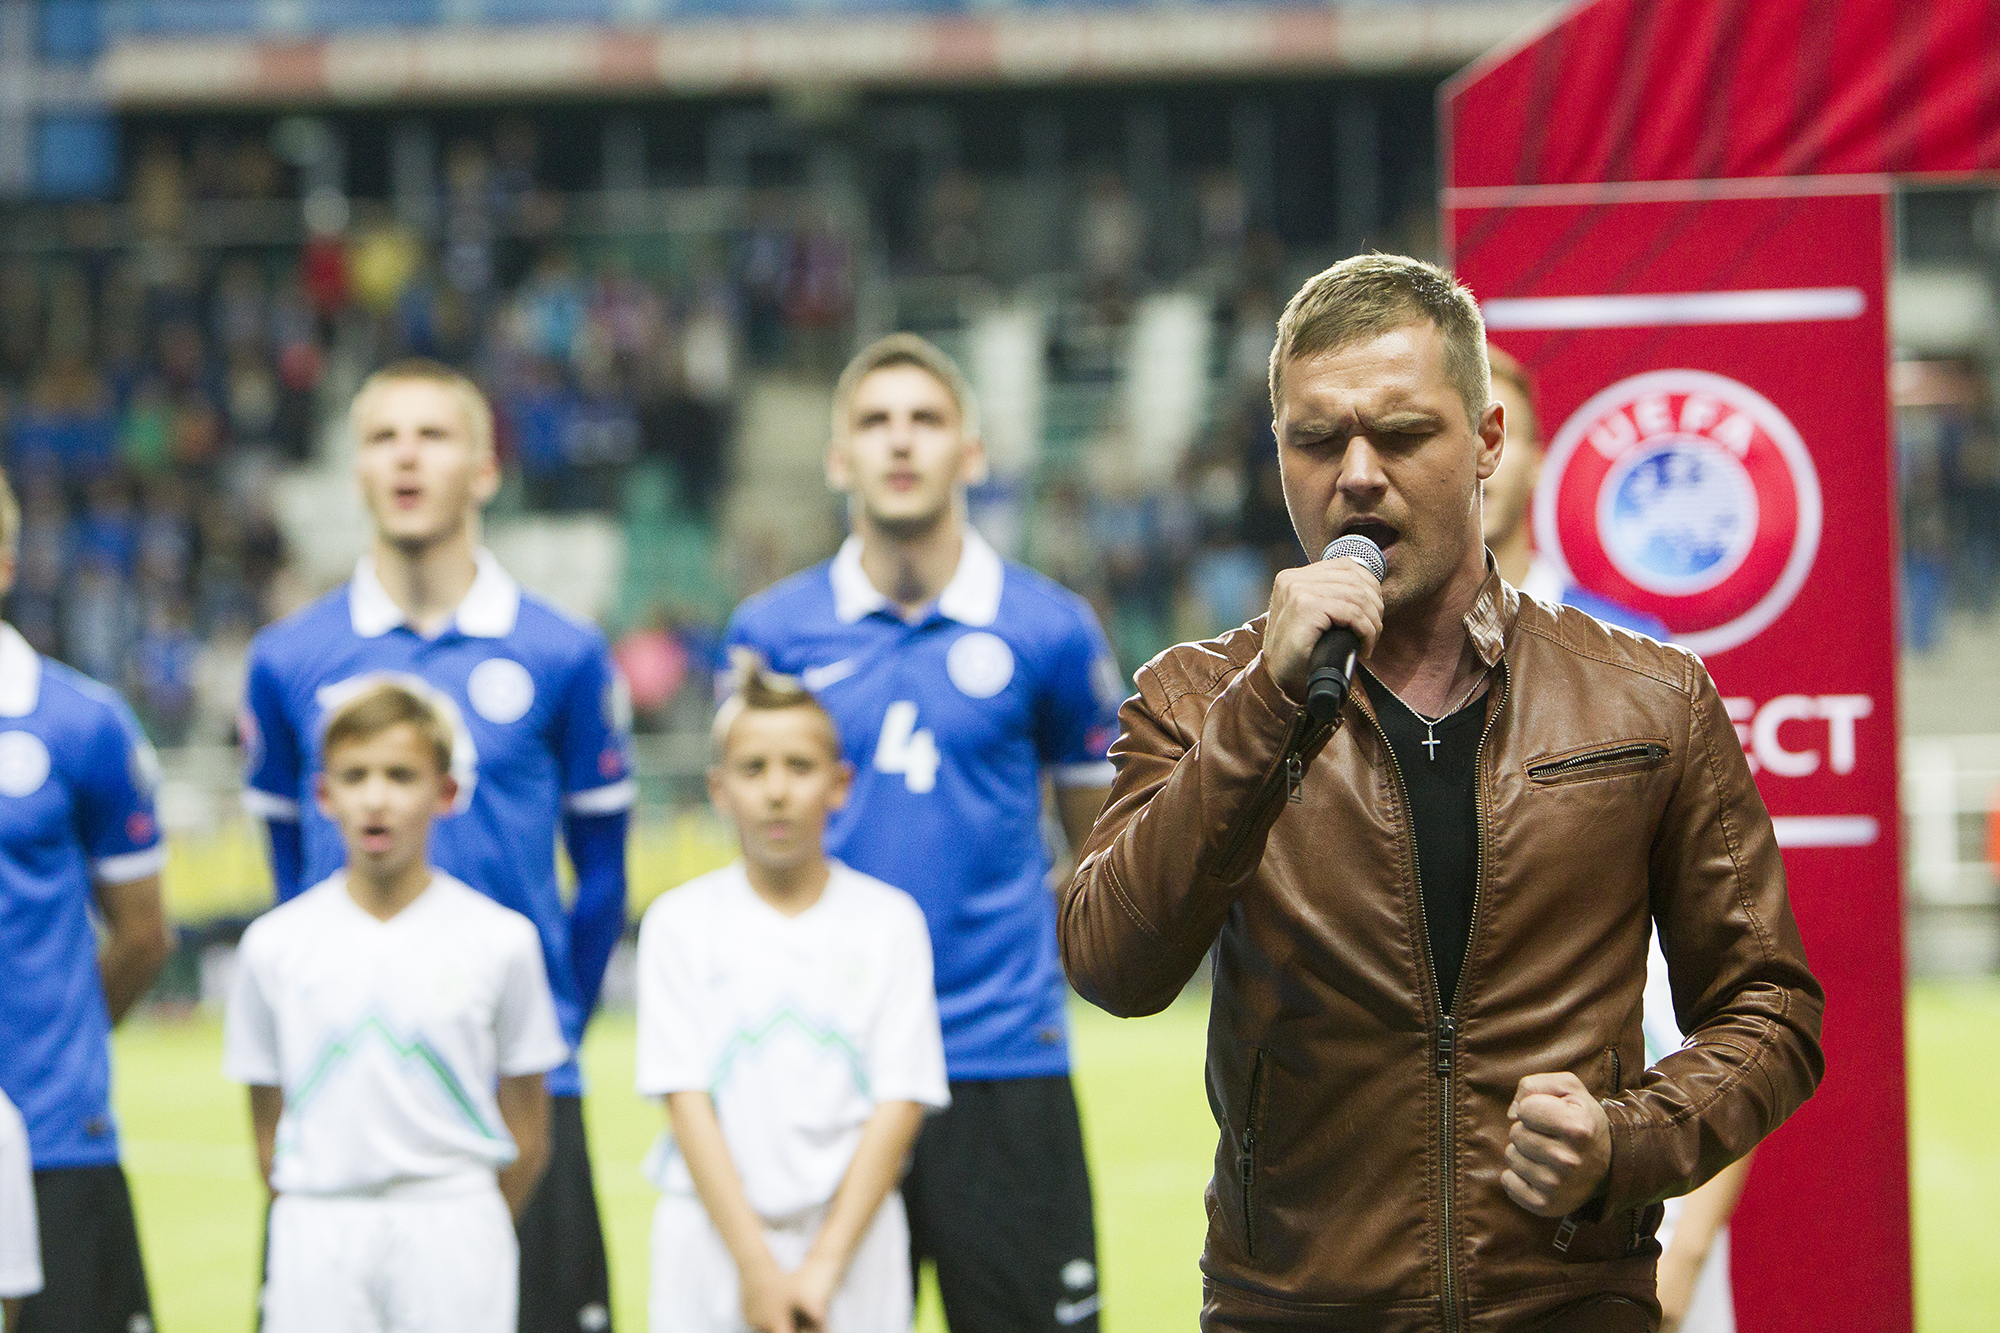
{"x": 999, "y": 1200}
{"x": 565, "y": 1286}
{"x": 93, "y": 1280}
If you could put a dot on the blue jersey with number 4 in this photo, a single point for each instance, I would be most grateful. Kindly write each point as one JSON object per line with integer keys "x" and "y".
{"x": 76, "y": 809}
{"x": 538, "y": 719}
{"x": 950, "y": 722}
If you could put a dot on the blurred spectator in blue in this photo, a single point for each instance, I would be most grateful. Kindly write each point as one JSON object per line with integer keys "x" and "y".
{"x": 469, "y": 208}
{"x": 98, "y": 620}
{"x": 548, "y": 311}
{"x": 36, "y": 606}
{"x": 106, "y": 534}
{"x": 1974, "y": 477}
{"x": 600, "y": 440}
{"x": 161, "y": 681}
{"x": 763, "y": 267}
{"x": 165, "y": 539}
{"x": 537, "y": 408}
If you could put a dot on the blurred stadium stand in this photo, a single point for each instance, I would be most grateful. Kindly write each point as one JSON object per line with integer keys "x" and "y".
{"x": 655, "y": 228}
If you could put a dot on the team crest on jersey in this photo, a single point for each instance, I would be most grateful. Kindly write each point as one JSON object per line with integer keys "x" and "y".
{"x": 501, "y": 690}
{"x": 24, "y": 763}
{"x": 1685, "y": 494}
{"x": 980, "y": 664}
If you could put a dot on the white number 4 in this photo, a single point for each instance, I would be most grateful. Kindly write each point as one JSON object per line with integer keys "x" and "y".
{"x": 906, "y": 750}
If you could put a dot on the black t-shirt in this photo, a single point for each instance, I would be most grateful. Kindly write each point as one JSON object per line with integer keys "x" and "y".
{"x": 1445, "y": 815}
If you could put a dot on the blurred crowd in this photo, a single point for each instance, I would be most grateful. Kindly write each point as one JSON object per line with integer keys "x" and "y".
{"x": 162, "y": 359}
{"x": 147, "y": 392}
{"x": 1948, "y": 445}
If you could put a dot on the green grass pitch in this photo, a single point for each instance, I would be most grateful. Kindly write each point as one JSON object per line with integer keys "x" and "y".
{"x": 200, "y": 1207}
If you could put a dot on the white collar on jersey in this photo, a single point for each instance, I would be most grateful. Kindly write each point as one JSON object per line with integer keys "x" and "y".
{"x": 971, "y": 598}
{"x": 491, "y": 606}
{"x": 1543, "y": 583}
{"x": 20, "y": 674}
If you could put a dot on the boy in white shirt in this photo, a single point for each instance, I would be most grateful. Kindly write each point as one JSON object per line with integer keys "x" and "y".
{"x": 787, "y": 1016}
{"x": 20, "y": 1234}
{"x": 394, "y": 1026}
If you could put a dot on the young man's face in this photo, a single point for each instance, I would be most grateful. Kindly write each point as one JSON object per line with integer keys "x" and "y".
{"x": 778, "y": 780}
{"x": 1373, "y": 438}
{"x": 383, "y": 791}
{"x": 423, "y": 475}
{"x": 1512, "y": 486}
{"x": 904, "y": 452}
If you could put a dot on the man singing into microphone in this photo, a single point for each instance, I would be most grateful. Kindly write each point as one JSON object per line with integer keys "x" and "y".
{"x": 1430, "y": 924}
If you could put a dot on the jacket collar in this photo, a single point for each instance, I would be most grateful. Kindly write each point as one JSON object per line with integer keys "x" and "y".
{"x": 971, "y": 598}
{"x": 1492, "y": 615}
{"x": 491, "y": 606}
{"x": 20, "y": 674}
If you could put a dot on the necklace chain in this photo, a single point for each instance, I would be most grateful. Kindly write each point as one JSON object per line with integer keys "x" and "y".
{"x": 1478, "y": 678}
{"x": 1430, "y": 741}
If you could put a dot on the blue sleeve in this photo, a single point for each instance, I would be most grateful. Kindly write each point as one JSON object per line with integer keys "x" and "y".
{"x": 273, "y": 772}
{"x": 113, "y": 791}
{"x": 273, "y": 759}
{"x": 594, "y": 738}
{"x": 288, "y": 857}
{"x": 1078, "y": 714}
{"x": 596, "y": 755}
{"x": 596, "y": 845}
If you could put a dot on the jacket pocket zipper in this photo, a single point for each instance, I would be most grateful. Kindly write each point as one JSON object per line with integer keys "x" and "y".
{"x": 1632, "y": 757}
{"x": 1246, "y": 1164}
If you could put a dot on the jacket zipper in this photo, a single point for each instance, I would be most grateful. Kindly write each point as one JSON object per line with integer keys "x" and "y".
{"x": 1447, "y": 1023}
{"x": 1291, "y": 771}
{"x": 1247, "y": 1163}
{"x": 1558, "y": 768}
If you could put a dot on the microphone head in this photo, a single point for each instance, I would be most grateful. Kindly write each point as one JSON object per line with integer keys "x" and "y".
{"x": 1359, "y": 548}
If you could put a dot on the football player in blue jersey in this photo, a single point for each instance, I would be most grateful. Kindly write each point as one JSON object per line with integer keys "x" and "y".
{"x": 542, "y": 750}
{"x": 78, "y": 847}
{"x": 961, "y": 684}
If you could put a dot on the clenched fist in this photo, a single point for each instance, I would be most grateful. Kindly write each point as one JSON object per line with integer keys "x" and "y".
{"x": 1559, "y": 1149}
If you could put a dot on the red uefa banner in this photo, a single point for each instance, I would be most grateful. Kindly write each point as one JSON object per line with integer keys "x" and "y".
{"x": 1712, "y": 375}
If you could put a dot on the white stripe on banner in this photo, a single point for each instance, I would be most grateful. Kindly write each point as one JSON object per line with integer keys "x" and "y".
{"x": 1778, "y": 305}
{"x": 1827, "y": 831}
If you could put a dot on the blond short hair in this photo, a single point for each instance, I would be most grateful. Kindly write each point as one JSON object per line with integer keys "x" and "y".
{"x": 905, "y": 349}
{"x": 423, "y": 370}
{"x": 10, "y": 518}
{"x": 754, "y": 687}
{"x": 1369, "y": 295}
{"x": 384, "y": 705}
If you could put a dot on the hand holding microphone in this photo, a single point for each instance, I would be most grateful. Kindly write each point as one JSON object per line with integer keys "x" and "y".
{"x": 1323, "y": 617}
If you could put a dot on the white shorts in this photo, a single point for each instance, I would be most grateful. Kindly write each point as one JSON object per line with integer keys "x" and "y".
{"x": 20, "y": 1236}
{"x": 695, "y": 1287}
{"x": 358, "y": 1264}
{"x": 1712, "y": 1307}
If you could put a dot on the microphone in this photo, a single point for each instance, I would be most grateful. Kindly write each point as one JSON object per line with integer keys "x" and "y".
{"x": 1333, "y": 656}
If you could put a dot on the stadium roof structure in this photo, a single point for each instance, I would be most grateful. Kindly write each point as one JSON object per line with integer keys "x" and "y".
{"x": 857, "y": 44}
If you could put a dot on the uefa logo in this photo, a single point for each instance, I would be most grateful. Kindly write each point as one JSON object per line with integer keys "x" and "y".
{"x": 1687, "y": 495}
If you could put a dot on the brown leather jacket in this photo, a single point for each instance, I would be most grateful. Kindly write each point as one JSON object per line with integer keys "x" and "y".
{"x": 1362, "y": 1132}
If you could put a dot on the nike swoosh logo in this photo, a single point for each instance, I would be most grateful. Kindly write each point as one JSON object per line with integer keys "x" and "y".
{"x": 819, "y": 677}
{"x": 1075, "y": 1312}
